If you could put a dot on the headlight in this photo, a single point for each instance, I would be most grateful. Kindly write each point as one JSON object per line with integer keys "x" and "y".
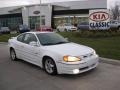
{"x": 71, "y": 59}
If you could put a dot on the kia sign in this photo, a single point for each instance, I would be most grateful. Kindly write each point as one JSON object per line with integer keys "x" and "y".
{"x": 99, "y": 16}
{"x": 99, "y": 19}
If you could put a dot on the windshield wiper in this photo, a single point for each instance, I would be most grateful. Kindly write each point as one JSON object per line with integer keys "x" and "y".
{"x": 54, "y": 43}
{"x": 48, "y": 44}
{"x": 61, "y": 42}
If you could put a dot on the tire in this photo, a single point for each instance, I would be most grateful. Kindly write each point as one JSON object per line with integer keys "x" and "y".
{"x": 50, "y": 66}
{"x": 65, "y": 30}
{"x": 119, "y": 28}
{"x": 58, "y": 30}
{"x": 13, "y": 55}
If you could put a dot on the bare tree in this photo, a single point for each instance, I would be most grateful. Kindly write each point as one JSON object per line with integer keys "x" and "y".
{"x": 116, "y": 11}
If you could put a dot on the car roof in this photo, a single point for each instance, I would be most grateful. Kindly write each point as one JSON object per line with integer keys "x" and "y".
{"x": 35, "y": 32}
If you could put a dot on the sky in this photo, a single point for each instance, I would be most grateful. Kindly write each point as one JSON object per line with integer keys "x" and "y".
{"x": 111, "y": 3}
{"x": 7, "y": 3}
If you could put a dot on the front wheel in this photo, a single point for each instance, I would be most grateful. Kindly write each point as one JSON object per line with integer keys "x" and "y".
{"x": 13, "y": 55}
{"x": 119, "y": 28}
{"x": 50, "y": 66}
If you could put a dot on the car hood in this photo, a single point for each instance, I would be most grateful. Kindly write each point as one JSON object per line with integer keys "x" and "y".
{"x": 69, "y": 49}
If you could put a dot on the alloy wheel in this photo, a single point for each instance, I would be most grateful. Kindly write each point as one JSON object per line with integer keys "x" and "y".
{"x": 50, "y": 66}
{"x": 12, "y": 54}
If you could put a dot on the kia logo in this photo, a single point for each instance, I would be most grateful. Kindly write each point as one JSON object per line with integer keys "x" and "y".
{"x": 36, "y": 12}
{"x": 99, "y": 16}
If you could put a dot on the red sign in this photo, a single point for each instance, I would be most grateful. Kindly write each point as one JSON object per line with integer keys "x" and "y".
{"x": 99, "y": 16}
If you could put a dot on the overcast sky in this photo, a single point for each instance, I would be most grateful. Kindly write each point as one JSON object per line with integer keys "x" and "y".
{"x": 111, "y": 3}
{"x": 7, "y": 3}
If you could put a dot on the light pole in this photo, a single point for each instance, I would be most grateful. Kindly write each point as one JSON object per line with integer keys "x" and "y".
{"x": 40, "y": 15}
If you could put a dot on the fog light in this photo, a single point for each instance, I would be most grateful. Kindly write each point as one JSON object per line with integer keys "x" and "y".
{"x": 75, "y": 71}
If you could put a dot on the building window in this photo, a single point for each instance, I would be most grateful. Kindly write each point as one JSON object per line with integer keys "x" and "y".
{"x": 12, "y": 22}
{"x": 74, "y": 20}
{"x": 43, "y": 20}
{"x": 34, "y": 21}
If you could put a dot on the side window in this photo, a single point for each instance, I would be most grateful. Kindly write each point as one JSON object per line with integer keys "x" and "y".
{"x": 29, "y": 38}
{"x": 33, "y": 38}
{"x": 20, "y": 38}
{"x": 26, "y": 38}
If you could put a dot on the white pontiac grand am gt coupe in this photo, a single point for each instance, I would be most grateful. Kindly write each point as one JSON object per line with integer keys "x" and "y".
{"x": 52, "y": 52}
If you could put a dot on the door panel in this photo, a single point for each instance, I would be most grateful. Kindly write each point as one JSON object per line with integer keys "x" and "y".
{"x": 31, "y": 53}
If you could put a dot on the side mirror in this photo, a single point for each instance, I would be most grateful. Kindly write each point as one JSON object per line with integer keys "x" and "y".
{"x": 33, "y": 43}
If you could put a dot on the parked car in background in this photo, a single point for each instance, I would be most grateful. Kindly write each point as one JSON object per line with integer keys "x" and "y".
{"x": 4, "y": 30}
{"x": 66, "y": 27}
{"x": 83, "y": 26}
{"x": 44, "y": 28}
{"x": 115, "y": 24}
{"x": 23, "y": 28}
{"x": 53, "y": 52}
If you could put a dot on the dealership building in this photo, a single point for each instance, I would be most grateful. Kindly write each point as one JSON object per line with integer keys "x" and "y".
{"x": 49, "y": 14}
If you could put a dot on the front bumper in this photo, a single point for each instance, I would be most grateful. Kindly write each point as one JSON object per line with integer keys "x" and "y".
{"x": 73, "y": 29}
{"x": 82, "y": 66}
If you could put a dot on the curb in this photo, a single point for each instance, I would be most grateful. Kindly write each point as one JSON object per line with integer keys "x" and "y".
{"x": 110, "y": 61}
{"x": 4, "y": 43}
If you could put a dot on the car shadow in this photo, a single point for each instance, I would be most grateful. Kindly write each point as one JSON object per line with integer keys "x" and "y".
{"x": 28, "y": 64}
{"x": 63, "y": 76}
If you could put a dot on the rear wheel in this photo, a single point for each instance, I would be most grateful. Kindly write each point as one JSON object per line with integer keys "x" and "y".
{"x": 65, "y": 30}
{"x": 13, "y": 55}
{"x": 50, "y": 66}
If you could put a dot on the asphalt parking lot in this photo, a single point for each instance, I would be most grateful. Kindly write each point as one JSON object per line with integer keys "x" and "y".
{"x": 20, "y": 75}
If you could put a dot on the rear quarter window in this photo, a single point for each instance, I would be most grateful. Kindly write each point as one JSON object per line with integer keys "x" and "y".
{"x": 20, "y": 38}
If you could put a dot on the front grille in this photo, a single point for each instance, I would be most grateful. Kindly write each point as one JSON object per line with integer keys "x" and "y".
{"x": 73, "y": 28}
{"x": 87, "y": 55}
{"x": 83, "y": 68}
{"x": 92, "y": 65}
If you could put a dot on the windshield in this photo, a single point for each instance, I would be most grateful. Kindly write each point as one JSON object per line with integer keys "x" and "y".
{"x": 51, "y": 39}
